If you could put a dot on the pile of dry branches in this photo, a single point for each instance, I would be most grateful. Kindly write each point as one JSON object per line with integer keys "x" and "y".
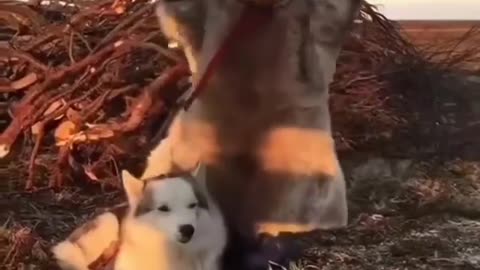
{"x": 83, "y": 76}
{"x": 392, "y": 95}
{"x": 91, "y": 81}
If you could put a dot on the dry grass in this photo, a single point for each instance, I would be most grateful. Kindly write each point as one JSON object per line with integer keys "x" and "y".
{"x": 436, "y": 31}
{"x": 404, "y": 215}
{"x": 441, "y": 39}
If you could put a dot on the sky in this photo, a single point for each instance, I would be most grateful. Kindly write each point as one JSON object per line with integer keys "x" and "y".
{"x": 430, "y": 9}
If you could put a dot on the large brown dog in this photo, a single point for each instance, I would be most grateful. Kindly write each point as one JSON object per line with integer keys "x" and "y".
{"x": 262, "y": 125}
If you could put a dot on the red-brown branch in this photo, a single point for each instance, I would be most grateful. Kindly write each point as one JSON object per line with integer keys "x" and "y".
{"x": 142, "y": 106}
{"x": 21, "y": 83}
{"x": 12, "y": 54}
{"x": 31, "y": 103}
{"x": 31, "y": 167}
{"x": 61, "y": 167}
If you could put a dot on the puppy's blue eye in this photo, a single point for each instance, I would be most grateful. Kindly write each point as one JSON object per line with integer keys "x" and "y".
{"x": 192, "y": 205}
{"x": 163, "y": 208}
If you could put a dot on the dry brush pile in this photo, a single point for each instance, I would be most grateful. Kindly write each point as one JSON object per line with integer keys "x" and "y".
{"x": 83, "y": 86}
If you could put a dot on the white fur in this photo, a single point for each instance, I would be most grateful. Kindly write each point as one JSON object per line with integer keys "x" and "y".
{"x": 177, "y": 195}
{"x": 144, "y": 247}
{"x": 150, "y": 238}
{"x": 79, "y": 253}
{"x": 202, "y": 252}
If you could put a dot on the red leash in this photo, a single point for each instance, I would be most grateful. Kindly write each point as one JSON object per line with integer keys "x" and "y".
{"x": 250, "y": 20}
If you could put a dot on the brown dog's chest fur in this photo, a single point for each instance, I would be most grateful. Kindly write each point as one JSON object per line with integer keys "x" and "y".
{"x": 260, "y": 85}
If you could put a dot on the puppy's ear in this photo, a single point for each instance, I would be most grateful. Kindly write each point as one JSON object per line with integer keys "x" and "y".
{"x": 133, "y": 187}
{"x": 199, "y": 189}
{"x": 199, "y": 172}
{"x": 201, "y": 197}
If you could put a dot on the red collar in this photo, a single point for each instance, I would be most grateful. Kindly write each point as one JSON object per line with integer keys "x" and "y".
{"x": 107, "y": 260}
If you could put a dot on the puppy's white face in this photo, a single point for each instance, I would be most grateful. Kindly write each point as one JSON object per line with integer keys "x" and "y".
{"x": 169, "y": 205}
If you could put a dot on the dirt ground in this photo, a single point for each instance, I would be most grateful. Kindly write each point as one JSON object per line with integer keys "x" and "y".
{"x": 405, "y": 214}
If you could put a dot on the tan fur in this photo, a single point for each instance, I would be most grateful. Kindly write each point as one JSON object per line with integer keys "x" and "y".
{"x": 140, "y": 246}
{"x": 144, "y": 248}
{"x": 87, "y": 243}
{"x": 146, "y": 245}
{"x": 296, "y": 151}
{"x": 262, "y": 125}
{"x": 159, "y": 161}
{"x": 276, "y": 228}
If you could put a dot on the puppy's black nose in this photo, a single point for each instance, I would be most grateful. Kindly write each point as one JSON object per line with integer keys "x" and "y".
{"x": 186, "y": 232}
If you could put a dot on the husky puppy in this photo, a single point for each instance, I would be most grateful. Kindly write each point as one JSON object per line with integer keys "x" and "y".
{"x": 170, "y": 224}
{"x": 180, "y": 208}
{"x": 262, "y": 126}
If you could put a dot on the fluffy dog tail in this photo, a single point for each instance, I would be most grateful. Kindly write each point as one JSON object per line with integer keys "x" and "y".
{"x": 87, "y": 243}
{"x": 70, "y": 256}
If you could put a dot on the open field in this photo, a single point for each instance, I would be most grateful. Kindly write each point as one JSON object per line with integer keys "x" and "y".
{"x": 435, "y": 36}
{"x": 431, "y": 31}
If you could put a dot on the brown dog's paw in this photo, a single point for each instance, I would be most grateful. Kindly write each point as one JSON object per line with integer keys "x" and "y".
{"x": 274, "y": 252}
{"x": 275, "y": 229}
